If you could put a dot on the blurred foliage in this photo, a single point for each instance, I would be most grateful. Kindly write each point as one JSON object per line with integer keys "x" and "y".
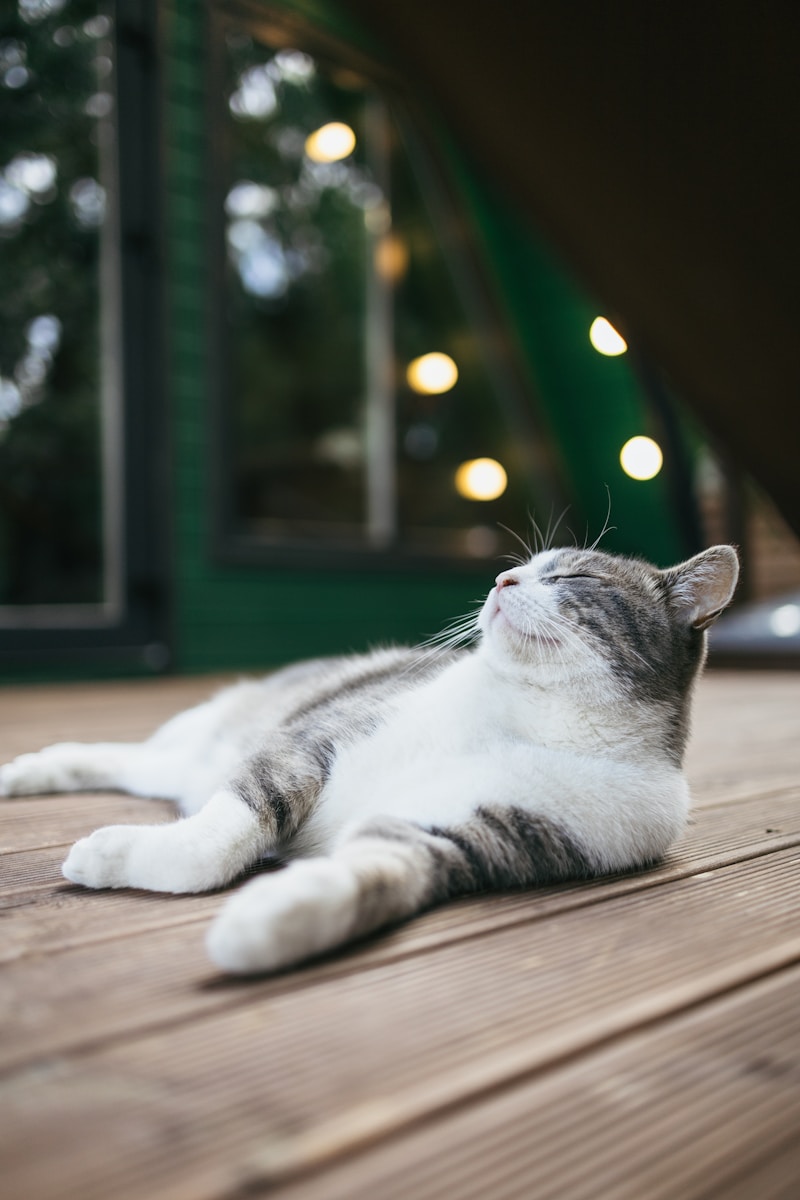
{"x": 55, "y": 68}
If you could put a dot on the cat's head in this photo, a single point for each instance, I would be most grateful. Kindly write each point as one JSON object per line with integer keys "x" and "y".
{"x": 618, "y": 626}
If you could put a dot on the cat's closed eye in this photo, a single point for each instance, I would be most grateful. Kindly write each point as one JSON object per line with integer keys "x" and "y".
{"x": 564, "y": 578}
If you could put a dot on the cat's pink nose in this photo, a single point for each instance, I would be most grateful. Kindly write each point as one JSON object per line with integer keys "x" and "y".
{"x": 507, "y": 579}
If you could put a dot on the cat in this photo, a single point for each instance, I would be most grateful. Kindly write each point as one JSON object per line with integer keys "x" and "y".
{"x": 548, "y": 750}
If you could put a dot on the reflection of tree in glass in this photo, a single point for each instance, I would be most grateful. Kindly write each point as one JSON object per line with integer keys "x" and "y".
{"x": 297, "y": 247}
{"x": 55, "y": 63}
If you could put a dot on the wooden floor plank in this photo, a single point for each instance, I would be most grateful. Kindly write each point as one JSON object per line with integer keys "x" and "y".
{"x": 301, "y": 1069}
{"x": 33, "y": 927}
{"x": 37, "y": 822}
{"x": 124, "y": 710}
{"x": 775, "y": 1177}
{"x": 653, "y": 1115}
{"x": 745, "y": 734}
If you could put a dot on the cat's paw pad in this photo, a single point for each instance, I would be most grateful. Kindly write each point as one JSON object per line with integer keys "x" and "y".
{"x": 102, "y": 860}
{"x": 283, "y": 919}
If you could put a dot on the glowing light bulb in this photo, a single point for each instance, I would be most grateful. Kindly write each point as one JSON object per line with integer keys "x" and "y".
{"x": 481, "y": 479}
{"x": 605, "y": 338}
{"x": 641, "y": 458}
{"x": 330, "y": 142}
{"x": 432, "y": 374}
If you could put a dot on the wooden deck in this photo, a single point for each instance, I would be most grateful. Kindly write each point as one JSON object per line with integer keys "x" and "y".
{"x": 634, "y": 1037}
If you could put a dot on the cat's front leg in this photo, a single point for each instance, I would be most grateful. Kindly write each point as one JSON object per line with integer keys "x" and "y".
{"x": 383, "y": 873}
{"x": 196, "y": 854}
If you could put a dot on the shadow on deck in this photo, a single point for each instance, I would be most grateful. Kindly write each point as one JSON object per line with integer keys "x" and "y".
{"x": 633, "y": 1037}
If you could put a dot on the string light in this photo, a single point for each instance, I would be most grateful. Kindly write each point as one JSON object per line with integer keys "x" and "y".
{"x": 481, "y": 479}
{"x": 432, "y": 374}
{"x": 605, "y": 338}
{"x": 641, "y": 458}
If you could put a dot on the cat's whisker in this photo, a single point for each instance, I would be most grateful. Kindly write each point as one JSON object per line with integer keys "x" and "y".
{"x": 525, "y": 546}
{"x": 563, "y": 635}
{"x": 607, "y": 528}
{"x": 461, "y": 624}
{"x": 516, "y": 559}
{"x": 460, "y": 632}
{"x": 538, "y": 537}
{"x": 553, "y": 527}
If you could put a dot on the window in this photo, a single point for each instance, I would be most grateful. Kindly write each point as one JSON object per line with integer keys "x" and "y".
{"x": 358, "y": 411}
{"x": 58, "y": 501}
{"x": 82, "y": 546}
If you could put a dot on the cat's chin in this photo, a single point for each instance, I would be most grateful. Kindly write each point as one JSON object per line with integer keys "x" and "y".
{"x": 501, "y": 623}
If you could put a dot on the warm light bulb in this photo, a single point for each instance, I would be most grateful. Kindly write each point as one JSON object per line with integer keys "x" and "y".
{"x": 481, "y": 479}
{"x": 605, "y": 338}
{"x": 641, "y": 458}
{"x": 432, "y": 374}
{"x": 330, "y": 143}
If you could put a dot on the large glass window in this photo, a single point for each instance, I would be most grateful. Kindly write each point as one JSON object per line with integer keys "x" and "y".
{"x": 57, "y": 318}
{"x": 358, "y": 408}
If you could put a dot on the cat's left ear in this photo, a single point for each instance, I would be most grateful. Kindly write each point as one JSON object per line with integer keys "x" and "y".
{"x": 704, "y": 585}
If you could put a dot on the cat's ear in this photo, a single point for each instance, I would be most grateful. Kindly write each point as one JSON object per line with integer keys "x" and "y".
{"x": 704, "y": 585}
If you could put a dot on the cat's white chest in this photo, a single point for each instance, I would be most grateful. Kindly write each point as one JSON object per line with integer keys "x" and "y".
{"x": 407, "y": 765}
{"x": 462, "y": 739}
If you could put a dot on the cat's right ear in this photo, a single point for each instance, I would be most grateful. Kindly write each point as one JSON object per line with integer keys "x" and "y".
{"x": 703, "y": 586}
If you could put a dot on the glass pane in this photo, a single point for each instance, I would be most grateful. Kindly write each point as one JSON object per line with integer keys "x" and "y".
{"x": 296, "y": 255}
{"x": 336, "y": 284}
{"x": 55, "y": 111}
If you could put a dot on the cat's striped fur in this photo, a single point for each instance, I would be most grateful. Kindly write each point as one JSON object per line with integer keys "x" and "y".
{"x": 550, "y": 750}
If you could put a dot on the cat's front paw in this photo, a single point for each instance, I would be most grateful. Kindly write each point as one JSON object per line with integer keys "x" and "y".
{"x": 133, "y": 856}
{"x": 178, "y": 856}
{"x": 105, "y": 858}
{"x": 283, "y": 919}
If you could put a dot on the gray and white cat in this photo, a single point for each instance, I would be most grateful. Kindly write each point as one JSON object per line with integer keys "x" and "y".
{"x": 395, "y": 780}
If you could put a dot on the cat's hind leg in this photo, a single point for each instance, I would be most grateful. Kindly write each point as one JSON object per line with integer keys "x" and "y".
{"x": 78, "y": 767}
{"x": 188, "y": 774}
{"x": 195, "y": 854}
{"x": 185, "y": 760}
